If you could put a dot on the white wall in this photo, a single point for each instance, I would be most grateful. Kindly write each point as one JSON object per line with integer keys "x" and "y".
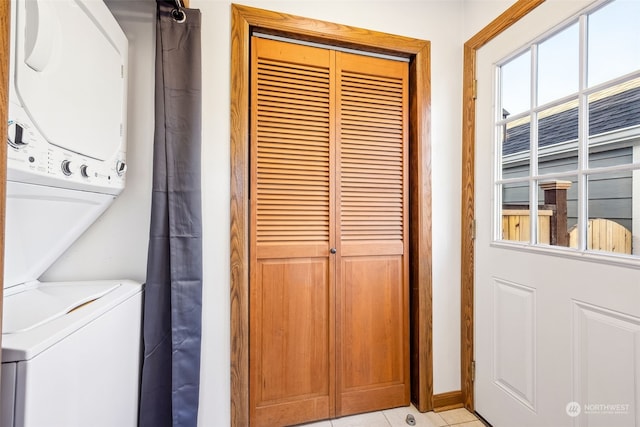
{"x": 116, "y": 245}
{"x": 478, "y": 13}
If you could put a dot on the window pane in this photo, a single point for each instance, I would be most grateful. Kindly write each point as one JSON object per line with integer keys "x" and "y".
{"x": 558, "y": 62}
{"x": 558, "y": 138}
{"x": 516, "y": 148}
{"x": 614, "y": 44}
{"x": 557, "y": 212}
{"x": 515, "y": 81}
{"x": 614, "y": 116}
{"x": 610, "y": 209}
{"x": 515, "y": 212}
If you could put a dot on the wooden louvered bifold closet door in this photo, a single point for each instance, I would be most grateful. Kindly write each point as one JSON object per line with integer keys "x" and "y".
{"x": 372, "y": 315}
{"x": 290, "y": 334}
{"x": 328, "y": 299}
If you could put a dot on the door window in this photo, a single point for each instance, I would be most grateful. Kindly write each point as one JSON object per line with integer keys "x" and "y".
{"x": 567, "y": 126}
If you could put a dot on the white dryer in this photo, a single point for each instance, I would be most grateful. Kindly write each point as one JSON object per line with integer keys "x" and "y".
{"x": 70, "y": 351}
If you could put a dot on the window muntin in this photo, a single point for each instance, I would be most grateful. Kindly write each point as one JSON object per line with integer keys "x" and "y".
{"x": 568, "y": 136}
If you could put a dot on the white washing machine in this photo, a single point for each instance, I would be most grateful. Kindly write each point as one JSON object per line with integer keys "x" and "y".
{"x": 70, "y": 351}
{"x": 68, "y": 364}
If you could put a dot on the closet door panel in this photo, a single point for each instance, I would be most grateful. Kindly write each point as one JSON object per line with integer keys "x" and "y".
{"x": 291, "y": 312}
{"x": 372, "y": 307}
{"x": 291, "y": 358}
{"x": 372, "y": 340}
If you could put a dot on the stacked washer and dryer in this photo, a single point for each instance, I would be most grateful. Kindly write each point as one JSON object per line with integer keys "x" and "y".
{"x": 70, "y": 351}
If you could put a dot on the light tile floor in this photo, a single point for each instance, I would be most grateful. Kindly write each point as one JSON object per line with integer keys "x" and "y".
{"x": 397, "y": 418}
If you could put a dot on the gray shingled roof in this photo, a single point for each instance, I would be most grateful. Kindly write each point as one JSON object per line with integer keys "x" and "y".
{"x": 617, "y": 111}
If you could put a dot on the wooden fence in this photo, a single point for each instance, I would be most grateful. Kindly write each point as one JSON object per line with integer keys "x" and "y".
{"x": 604, "y": 235}
{"x": 516, "y": 225}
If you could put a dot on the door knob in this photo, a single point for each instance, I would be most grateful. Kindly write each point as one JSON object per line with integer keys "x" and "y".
{"x": 332, "y": 250}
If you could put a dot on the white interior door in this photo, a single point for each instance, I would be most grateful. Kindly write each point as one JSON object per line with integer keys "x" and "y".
{"x": 557, "y": 330}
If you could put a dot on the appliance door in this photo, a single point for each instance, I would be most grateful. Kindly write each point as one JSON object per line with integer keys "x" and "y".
{"x": 69, "y": 69}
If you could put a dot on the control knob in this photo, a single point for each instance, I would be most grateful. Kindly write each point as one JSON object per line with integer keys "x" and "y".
{"x": 15, "y": 135}
{"x": 84, "y": 171}
{"x": 66, "y": 167}
{"x": 121, "y": 167}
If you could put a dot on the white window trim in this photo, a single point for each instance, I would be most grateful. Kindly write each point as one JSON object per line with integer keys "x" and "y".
{"x": 635, "y": 206}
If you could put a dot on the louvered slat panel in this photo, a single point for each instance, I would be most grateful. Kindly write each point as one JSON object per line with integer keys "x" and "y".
{"x": 291, "y": 131}
{"x": 372, "y": 132}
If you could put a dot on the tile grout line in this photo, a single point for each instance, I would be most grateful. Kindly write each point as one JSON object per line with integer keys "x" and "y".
{"x": 387, "y": 419}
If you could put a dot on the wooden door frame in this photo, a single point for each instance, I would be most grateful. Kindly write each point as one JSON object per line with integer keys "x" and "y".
{"x": 243, "y": 21}
{"x": 5, "y": 35}
{"x": 512, "y": 15}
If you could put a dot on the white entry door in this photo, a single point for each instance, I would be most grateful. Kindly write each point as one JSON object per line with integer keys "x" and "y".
{"x": 557, "y": 316}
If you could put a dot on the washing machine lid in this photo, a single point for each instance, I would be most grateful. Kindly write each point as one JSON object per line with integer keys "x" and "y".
{"x": 30, "y": 309}
{"x": 69, "y": 71}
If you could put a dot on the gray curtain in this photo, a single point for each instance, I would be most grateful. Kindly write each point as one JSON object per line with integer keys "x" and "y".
{"x": 173, "y": 292}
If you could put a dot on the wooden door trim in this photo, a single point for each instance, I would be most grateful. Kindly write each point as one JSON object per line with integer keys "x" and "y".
{"x": 5, "y": 28}
{"x": 446, "y": 401}
{"x": 243, "y": 20}
{"x": 516, "y": 12}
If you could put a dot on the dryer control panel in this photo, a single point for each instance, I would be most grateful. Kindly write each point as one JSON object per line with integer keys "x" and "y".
{"x": 30, "y": 158}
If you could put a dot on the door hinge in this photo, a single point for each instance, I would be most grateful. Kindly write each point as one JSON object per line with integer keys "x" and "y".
{"x": 473, "y": 229}
{"x": 475, "y": 89}
{"x": 473, "y": 371}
